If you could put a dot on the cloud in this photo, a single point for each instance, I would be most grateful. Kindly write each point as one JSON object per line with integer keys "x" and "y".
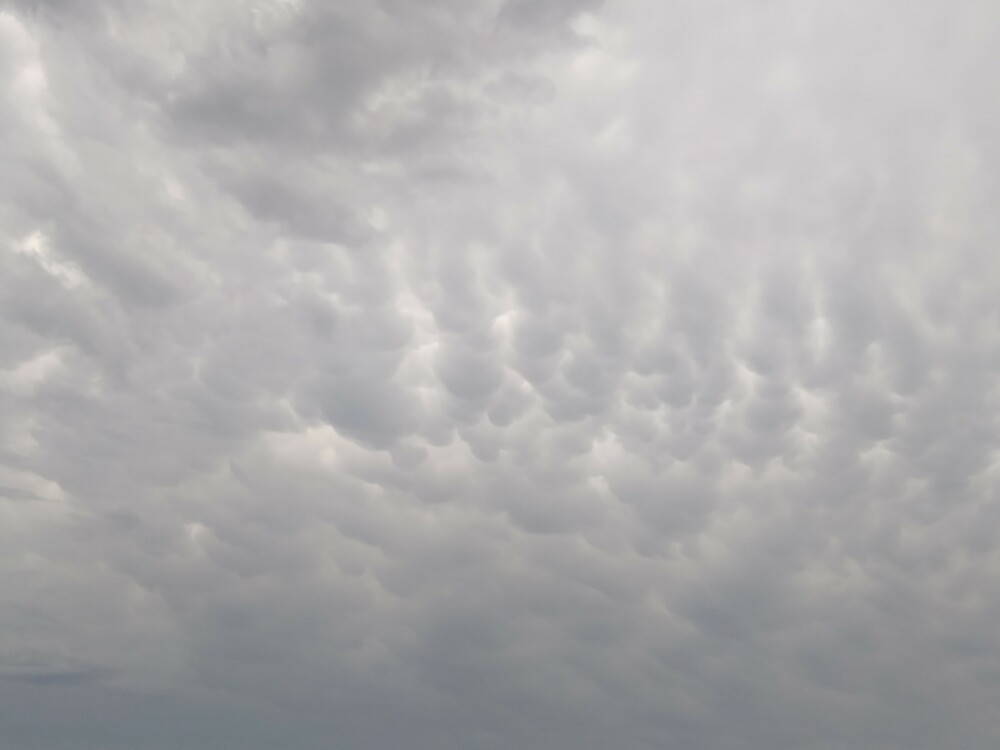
{"x": 498, "y": 374}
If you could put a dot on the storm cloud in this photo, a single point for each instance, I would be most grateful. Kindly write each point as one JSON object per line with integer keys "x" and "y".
{"x": 499, "y": 374}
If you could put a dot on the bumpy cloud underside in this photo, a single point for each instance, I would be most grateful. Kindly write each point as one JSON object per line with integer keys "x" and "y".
{"x": 467, "y": 374}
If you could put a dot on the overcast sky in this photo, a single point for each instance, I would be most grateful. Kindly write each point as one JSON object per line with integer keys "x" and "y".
{"x": 499, "y": 375}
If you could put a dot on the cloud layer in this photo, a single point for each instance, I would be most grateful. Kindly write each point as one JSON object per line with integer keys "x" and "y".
{"x": 499, "y": 374}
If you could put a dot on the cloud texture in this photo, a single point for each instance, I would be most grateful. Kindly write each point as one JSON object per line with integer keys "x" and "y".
{"x": 499, "y": 374}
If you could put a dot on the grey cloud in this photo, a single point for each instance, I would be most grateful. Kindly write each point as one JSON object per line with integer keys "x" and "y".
{"x": 533, "y": 14}
{"x": 498, "y": 374}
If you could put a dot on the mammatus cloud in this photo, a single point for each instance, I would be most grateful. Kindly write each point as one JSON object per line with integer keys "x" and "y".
{"x": 499, "y": 375}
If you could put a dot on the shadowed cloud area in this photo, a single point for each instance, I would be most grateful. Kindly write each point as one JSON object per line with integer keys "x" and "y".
{"x": 498, "y": 374}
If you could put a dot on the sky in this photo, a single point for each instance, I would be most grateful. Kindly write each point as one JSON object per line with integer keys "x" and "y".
{"x": 499, "y": 375}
